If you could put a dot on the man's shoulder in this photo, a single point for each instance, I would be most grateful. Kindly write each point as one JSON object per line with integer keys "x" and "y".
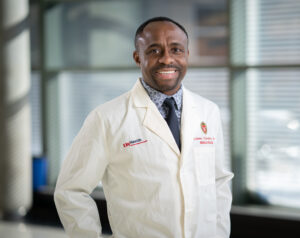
{"x": 200, "y": 101}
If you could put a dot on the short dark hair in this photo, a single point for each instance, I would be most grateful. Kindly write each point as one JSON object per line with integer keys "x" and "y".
{"x": 154, "y": 19}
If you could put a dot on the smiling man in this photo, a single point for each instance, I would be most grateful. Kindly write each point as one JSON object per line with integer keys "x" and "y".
{"x": 158, "y": 151}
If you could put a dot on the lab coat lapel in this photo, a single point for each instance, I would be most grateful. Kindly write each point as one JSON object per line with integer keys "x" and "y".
{"x": 190, "y": 121}
{"x": 153, "y": 119}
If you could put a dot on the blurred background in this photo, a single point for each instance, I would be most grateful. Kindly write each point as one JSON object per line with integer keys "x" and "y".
{"x": 59, "y": 59}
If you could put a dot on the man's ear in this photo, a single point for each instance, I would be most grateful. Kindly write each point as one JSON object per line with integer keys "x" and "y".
{"x": 136, "y": 57}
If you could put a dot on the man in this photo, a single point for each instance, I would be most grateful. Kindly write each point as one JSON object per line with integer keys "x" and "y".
{"x": 158, "y": 151}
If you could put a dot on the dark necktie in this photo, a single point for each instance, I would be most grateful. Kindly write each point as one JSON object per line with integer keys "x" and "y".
{"x": 172, "y": 120}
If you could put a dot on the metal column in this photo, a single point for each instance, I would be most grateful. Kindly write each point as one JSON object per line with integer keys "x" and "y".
{"x": 15, "y": 138}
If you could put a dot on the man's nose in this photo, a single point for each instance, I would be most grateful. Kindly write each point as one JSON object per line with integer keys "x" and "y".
{"x": 166, "y": 58}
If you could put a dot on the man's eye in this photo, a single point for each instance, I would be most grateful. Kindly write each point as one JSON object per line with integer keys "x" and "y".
{"x": 177, "y": 50}
{"x": 155, "y": 51}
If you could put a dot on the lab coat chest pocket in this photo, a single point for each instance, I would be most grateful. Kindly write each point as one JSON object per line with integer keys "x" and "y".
{"x": 204, "y": 157}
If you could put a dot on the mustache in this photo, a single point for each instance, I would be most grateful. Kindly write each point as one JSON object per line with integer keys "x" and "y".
{"x": 167, "y": 66}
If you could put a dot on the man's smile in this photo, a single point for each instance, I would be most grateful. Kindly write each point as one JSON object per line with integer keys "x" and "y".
{"x": 167, "y": 74}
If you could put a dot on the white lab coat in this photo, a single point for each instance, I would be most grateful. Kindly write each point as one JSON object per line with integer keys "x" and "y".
{"x": 152, "y": 190}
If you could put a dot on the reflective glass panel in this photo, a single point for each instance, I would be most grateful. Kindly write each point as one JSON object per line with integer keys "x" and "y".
{"x": 265, "y": 31}
{"x": 36, "y": 125}
{"x": 273, "y": 148}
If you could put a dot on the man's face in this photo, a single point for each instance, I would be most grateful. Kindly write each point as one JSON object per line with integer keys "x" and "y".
{"x": 162, "y": 54}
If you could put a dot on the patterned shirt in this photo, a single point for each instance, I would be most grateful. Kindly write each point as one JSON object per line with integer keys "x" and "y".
{"x": 158, "y": 99}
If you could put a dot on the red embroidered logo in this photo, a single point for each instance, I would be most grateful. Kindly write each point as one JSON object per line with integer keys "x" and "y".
{"x": 134, "y": 142}
{"x": 204, "y": 127}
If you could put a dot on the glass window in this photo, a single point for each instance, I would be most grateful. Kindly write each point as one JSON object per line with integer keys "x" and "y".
{"x": 36, "y": 126}
{"x": 91, "y": 33}
{"x": 266, "y": 32}
{"x": 273, "y": 147}
{"x": 35, "y": 89}
{"x": 265, "y": 35}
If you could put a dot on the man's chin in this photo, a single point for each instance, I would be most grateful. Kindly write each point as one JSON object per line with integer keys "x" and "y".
{"x": 167, "y": 88}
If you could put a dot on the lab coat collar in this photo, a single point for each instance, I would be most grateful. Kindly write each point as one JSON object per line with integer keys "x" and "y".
{"x": 153, "y": 120}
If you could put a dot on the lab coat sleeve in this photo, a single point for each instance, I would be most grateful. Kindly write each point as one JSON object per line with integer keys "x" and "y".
{"x": 81, "y": 172}
{"x": 224, "y": 197}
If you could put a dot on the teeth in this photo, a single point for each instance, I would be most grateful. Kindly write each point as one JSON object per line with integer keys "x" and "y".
{"x": 167, "y": 72}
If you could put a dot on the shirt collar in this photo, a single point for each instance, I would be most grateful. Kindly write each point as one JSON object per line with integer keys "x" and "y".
{"x": 154, "y": 94}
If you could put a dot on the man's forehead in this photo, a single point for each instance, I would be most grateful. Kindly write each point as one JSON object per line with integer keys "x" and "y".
{"x": 160, "y": 24}
{"x": 154, "y": 30}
